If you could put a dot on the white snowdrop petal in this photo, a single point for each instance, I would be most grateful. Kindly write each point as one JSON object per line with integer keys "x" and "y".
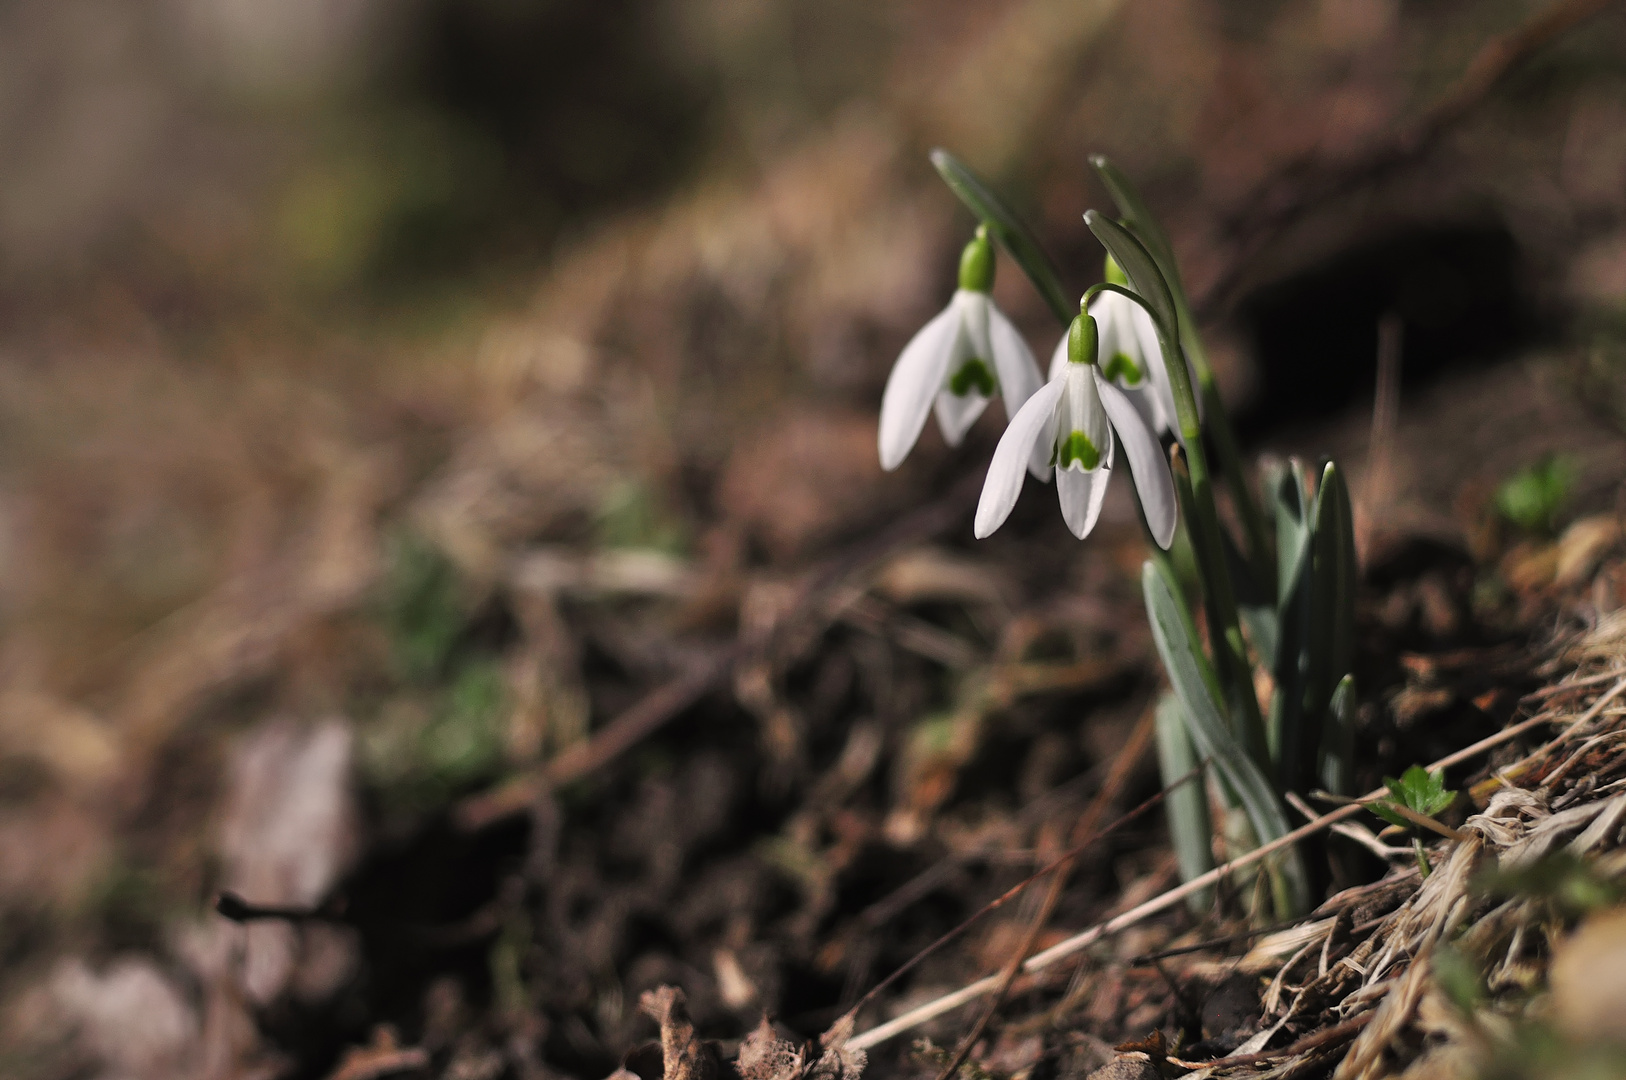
{"x": 1058, "y": 358}
{"x": 1005, "y": 471}
{"x": 1145, "y": 400}
{"x": 913, "y": 384}
{"x": 1081, "y": 494}
{"x": 956, "y": 413}
{"x": 1018, "y": 371}
{"x": 1019, "y": 378}
{"x": 1147, "y": 463}
{"x": 975, "y": 308}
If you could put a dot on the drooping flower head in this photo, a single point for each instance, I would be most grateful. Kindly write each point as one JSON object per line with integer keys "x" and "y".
{"x": 1076, "y": 421}
{"x": 1131, "y": 357}
{"x": 956, "y": 363}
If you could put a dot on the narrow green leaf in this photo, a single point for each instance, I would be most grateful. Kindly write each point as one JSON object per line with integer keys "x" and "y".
{"x": 1337, "y": 766}
{"x": 1345, "y": 571}
{"x": 1144, "y": 224}
{"x": 1008, "y": 229}
{"x": 1133, "y": 209}
{"x": 1194, "y": 685}
{"x": 1190, "y": 829}
{"x": 1330, "y": 640}
{"x": 1143, "y": 273}
{"x": 1286, "y": 495}
{"x": 1255, "y": 602}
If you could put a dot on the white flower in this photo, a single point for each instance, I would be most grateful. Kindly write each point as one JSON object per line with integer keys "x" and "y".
{"x": 1076, "y": 421}
{"x": 1131, "y": 356}
{"x": 954, "y": 365}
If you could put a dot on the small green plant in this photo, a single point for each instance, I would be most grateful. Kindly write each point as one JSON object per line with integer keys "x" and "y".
{"x": 421, "y": 607}
{"x": 1533, "y": 497}
{"x": 440, "y": 729}
{"x": 1130, "y": 369}
{"x": 1417, "y": 794}
{"x": 1419, "y": 791}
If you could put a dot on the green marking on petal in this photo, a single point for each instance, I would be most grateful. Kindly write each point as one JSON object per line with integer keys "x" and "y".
{"x": 1078, "y": 447}
{"x": 1121, "y": 368}
{"x": 973, "y": 375}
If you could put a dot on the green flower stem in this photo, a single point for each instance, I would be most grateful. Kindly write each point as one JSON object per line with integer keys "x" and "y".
{"x": 1224, "y": 436}
{"x": 1143, "y": 224}
{"x": 1005, "y": 227}
{"x": 1232, "y": 677}
{"x": 1226, "y": 629}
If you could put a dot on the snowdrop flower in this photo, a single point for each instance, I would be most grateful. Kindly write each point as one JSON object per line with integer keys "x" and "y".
{"x": 1131, "y": 357}
{"x": 1077, "y": 421}
{"x": 955, "y": 364}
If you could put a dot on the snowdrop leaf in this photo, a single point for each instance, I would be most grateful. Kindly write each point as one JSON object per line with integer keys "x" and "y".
{"x": 1285, "y": 494}
{"x": 1337, "y": 765}
{"x": 1144, "y": 275}
{"x": 1190, "y": 829}
{"x": 1007, "y": 228}
{"x": 1134, "y": 210}
{"x": 1195, "y": 686}
{"x": 1327, "y": 580}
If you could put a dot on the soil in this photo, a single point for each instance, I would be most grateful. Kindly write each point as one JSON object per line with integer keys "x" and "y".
{"x": 567, "y": 693}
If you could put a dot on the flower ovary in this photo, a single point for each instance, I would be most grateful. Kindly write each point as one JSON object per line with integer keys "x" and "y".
{"x": 1083, "y": 339}
{"x": 977, "y": 263}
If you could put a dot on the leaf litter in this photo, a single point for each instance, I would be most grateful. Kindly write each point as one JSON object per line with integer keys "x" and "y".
{"x": 839, "y": 729}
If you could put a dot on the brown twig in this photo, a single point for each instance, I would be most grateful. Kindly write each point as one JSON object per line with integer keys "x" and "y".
{"x": 1013, "y": 892}
{"x": 1327, "y": 1037}
{"x": 1305, "y": 181}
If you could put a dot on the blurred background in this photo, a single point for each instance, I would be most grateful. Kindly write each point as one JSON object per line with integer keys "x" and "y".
{"x": 319, "y": 319}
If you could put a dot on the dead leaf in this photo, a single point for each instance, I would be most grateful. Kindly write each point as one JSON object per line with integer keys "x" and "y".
{"x": 837, "y": 1061}
{"x": 765, "y": 1056}
{"x": 383, "y": 1057}
{"x": 683, "y": 1056}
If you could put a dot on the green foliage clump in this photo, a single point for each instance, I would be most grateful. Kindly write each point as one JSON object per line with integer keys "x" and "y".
{"x": 439, "y": 731}
{"x": 1533, "y": 497}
